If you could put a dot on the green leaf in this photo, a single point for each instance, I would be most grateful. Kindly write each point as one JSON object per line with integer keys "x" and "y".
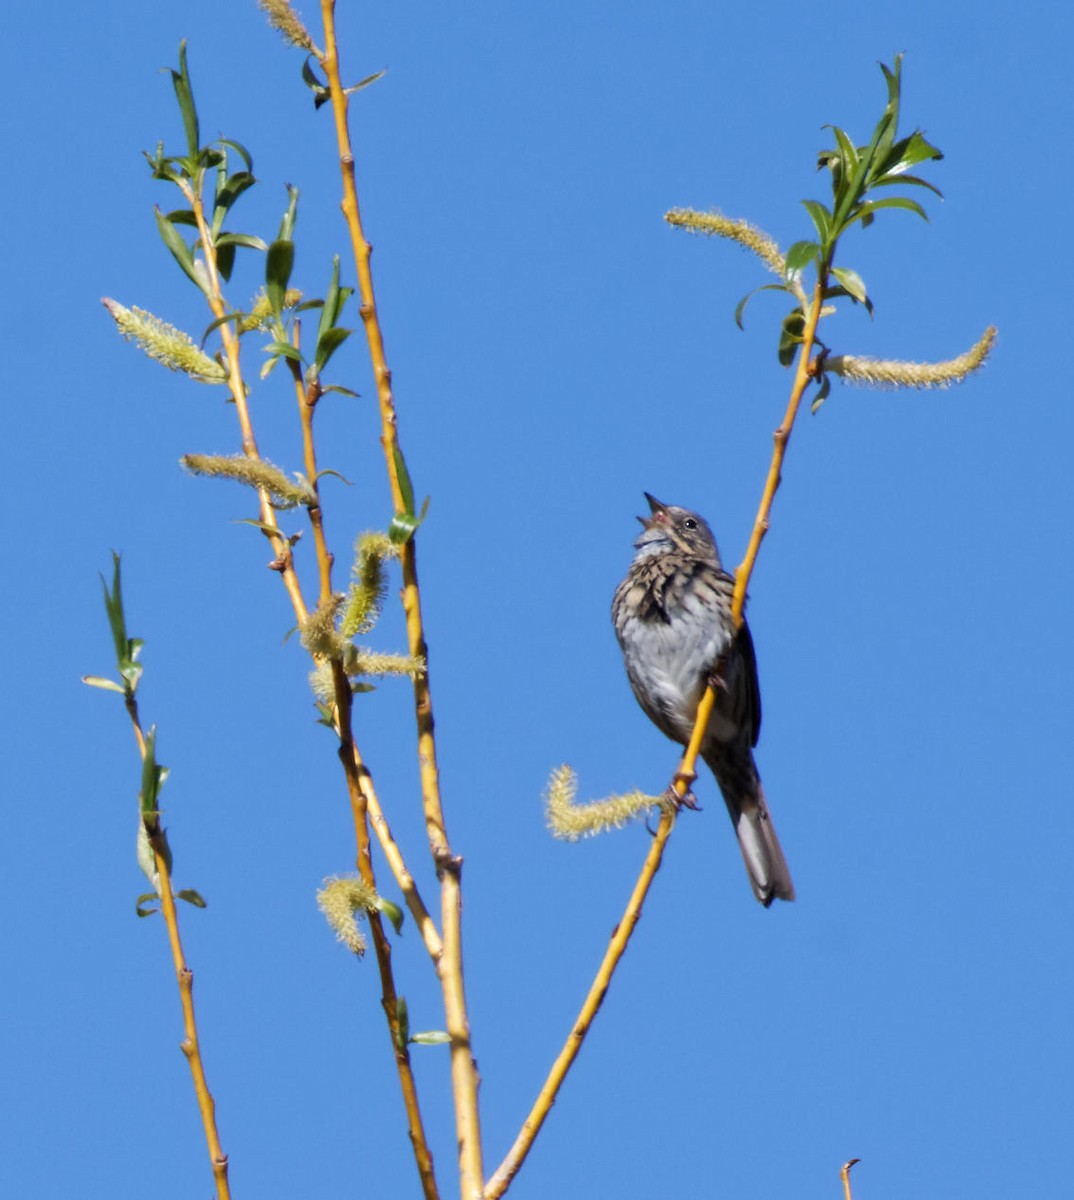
{"x": 240, "y": 150}
{"x": 799, "y": 256}
{"x": 791, "y": 336}
{"x": 268, "y": 530}
{"x": 232, "y": 188}
{"x": 741, "y": 306}
{"x": 287, "y": 222}
{"x": 853, "y": 283}
{"x": 392, "y": 911}
{"x": 406, "y": 488}
{"x": 430, "y": 1037}
{"x": 181, "y": 252}
{"x": 847, "y": 153}
{"x": 107, "y": 685}
{"x": 279, "y": 263}
{"x": 182, "y": 216}
{"x": 822, "y": 218}
{"x": 822, "y": 394}
{"x": 328, "y": 343}
{"x": 321, "y": 94}
{"x": 345, "y": 391}
{"x": 117, "y": 621}
{"x": 334, "y": 300}
{"x": 144, "y": 898}
{"x": 191, "y": 897}
{"x": 872, "y": 206}
{"x": 330, "y": 471}
{"x": 363, "y": 83}
{"x": 237, "y": 317}
{"x": 284, "y": 350}
{"x": 402, "y": 1016}
{"x": 151, "y": 777}
{"x": 225, "y": 261}
{"x": 185, "y": 95}
{"x": 908, "y": 153}
{"x": 909, "y": 180}
{"x": 249, "y": 240}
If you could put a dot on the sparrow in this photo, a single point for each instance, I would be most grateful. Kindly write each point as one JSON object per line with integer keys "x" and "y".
{"x": 672, "y": 616}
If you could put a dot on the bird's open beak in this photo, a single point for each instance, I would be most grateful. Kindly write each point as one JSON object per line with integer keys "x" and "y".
{"x": 656, "y": 507}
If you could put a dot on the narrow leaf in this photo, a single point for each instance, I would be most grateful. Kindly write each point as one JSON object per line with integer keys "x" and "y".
{"x": 240, "y": 150}
{"x": 873, "y": 206}
{"x": 278, "y": 266}
{"x": 790, "y": 336}
{"x": 853, "y": 283}
{"x": 822, "y": 218}
{"x": 328, "y": 343}
{"x": 185, "y": 95}
{"x": 363, "y": 83}
{"x": 741, "y": 306}
{"x": 107, "y": 685}
{"x": 181, "y": 252}
{"x": 402, "y": 1016}
{"x": 430, "y": 1037}
{"x": 191, "y": 897}
{"x": 284, "y": 350}
{"x": 392, "y": 911}
{"x": 800, "y": 255}
{"x": 241, "y": 239}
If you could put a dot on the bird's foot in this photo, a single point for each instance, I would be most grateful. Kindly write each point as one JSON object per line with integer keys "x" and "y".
{"x": 686, "y": 799}
{"x": 716, "y": 680}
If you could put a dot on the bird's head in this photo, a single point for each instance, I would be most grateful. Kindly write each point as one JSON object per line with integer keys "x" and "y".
{"x": 673, "y": 528}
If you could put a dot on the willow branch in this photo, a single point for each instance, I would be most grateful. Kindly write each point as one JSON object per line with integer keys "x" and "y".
{"x": 426, "y": 925}
{"x": 844, "y": 1175}
{"x": 802, "y": 375}
{"x": 501, "y": 1179}
{"x": 343, "y": 695}
{"x": 348, "y": 756}
{"x": 284, "y": 560}
{"x": 307, "y": 397}
{"x": 449, "y": 964}
{"x": 190, "y": 1045}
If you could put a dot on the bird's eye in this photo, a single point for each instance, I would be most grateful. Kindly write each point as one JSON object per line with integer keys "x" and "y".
{"x": 689, "y": 523}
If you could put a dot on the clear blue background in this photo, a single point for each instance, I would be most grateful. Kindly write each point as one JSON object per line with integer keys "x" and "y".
{"x": 557, "y": 349}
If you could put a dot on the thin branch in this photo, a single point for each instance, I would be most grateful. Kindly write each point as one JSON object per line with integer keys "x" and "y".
{"x": 190, "y": 1045}
{"x": 449, "y": 964}
{"x": 802, "y": 375}
{"x": 307, "y": 397}
{"x": 844, "y": 1175}
{"x": 348, "y": 756}
{"x": 343, "y": 695}
{"x": 501, "y": 1179}
{"x": 284, "y": 560}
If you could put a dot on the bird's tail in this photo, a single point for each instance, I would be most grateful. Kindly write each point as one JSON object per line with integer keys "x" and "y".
{"x": 740, "y": 784}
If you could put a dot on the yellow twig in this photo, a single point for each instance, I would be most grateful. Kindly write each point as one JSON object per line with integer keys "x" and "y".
{"x": 802, "y": 376}
{"x": 284, "y": 560}
{"x": 190, "y": 1045}
{"x": 501, "y": 1179}
{"x": 844, "y": 1175}
{"x": 430, "y": 935}
{"x": 307, "y": 397}
{"x": 343, "y": 695}
{"x": 449, "y": 964}
{"x": 348, "y": 756}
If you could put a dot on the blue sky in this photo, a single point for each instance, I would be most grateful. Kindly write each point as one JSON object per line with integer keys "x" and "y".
{"x": 556, "y": 350}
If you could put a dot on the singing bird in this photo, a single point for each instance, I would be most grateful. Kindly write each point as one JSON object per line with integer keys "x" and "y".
{"x": 672, "y": 616}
